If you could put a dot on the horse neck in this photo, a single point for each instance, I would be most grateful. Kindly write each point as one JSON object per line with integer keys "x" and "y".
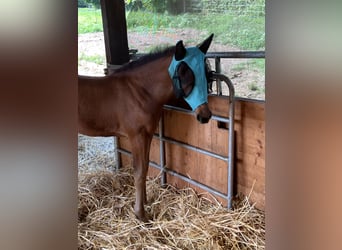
{"x": 154, "y": 78}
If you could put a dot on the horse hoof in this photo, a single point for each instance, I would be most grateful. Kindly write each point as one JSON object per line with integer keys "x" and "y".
{"x": 143, "y": 218}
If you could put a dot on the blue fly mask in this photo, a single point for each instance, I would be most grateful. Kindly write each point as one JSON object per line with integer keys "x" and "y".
{"x": 194, "y": 58}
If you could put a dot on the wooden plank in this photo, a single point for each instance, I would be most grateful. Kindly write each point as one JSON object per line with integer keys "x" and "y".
{"x": 154, "y": 152}
{"x": 186, "y": 128}
{"x": 250, "y": 138}
{"x": 153, "y": 172}
{"x": 180, "y": 184}
{"x": 202, "y": 168}
{"x": 126, "y": 161}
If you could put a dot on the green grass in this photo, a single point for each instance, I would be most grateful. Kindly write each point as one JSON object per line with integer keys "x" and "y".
{"x": 247, "y": 33}
{"x": 258, "y": 64}
{"x": 244, "y": 32}
{"x": 89, "y": 20}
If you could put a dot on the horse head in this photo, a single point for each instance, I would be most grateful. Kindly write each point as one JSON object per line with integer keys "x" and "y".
{"x": 189, "y": 77}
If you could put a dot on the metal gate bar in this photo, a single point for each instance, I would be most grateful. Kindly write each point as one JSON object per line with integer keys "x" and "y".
{"x": 180, "y": 176}
{"x": 193, "y": 148}
{"x": 229, "y": 158}
{"x": 236, "y": 54}
{"x": 229, "y": 54}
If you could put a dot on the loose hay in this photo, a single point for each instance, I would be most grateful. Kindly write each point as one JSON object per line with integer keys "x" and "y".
{"x": 181, "y": 219}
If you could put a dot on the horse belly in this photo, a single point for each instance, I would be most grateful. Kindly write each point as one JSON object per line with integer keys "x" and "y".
{"x": 99, "y": 125}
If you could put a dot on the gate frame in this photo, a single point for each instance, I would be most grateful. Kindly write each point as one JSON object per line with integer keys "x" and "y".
{"x": 218, "y": 77}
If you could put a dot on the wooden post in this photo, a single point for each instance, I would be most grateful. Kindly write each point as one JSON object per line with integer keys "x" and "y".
{"x": 116, "y": 44}
{"x": 115, "y": 31}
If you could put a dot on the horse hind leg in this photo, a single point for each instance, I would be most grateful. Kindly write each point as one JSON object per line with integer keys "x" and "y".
{"x": 140, "y": 149}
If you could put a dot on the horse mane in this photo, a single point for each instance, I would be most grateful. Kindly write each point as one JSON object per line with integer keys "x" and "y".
{"x": 157, "y": 53}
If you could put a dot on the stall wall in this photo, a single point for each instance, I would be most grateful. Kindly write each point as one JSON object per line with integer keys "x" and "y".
{"x": 249, "y": 149}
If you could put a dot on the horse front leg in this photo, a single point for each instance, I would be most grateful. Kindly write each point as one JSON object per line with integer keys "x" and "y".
{"x": 140, "y": 149}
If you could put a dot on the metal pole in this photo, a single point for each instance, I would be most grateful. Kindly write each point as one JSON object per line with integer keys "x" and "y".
{"x": 231, "y": 152}
{"x": 195, "y": 149}
{"x": 218, "y": 70}
{"x": 162, "y": 151}
{"x": 230, "y": 162}
{"x": 236, "y": 54}
{"x": 116, "y": 155}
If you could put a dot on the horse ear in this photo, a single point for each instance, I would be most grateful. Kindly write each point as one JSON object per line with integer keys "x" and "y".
{"x": 204, "y": 46}
{"x": 180, "y": 51}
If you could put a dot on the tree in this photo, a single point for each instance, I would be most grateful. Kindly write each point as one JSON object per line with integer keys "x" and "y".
{"x": 82, "y": 4}
{"x": 95, "y": 3}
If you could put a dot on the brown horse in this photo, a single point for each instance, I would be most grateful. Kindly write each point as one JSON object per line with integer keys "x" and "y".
{"x": 129, "y": 102}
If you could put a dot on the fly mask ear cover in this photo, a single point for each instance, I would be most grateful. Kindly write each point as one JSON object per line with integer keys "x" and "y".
{"x": 194, "y": 58}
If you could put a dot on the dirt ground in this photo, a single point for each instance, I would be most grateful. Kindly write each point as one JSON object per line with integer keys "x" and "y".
{"x": 248, "y": 82}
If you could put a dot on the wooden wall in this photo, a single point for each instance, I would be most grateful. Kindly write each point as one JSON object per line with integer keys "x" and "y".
{"x": 249, "y": 148}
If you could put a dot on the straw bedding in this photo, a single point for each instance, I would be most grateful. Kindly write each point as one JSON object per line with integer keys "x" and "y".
{"x": 180, "y": 218}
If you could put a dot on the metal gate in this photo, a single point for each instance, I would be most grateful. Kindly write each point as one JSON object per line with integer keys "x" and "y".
{"x": 219, "y": 78}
